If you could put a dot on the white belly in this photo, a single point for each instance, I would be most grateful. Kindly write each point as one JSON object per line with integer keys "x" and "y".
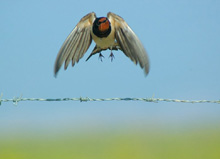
{"x": 104, "y": 43}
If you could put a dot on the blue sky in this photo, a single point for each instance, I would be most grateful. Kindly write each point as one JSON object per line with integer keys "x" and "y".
{"x": 181, "y": 37}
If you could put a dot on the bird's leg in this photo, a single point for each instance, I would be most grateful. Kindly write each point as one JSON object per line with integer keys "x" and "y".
{"x": 101, "y": 56}
{"x": 111, "y": 55}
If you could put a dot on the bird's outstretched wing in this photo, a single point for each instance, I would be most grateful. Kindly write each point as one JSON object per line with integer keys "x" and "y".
{"x": 76, "y": 44}
{"x": 129, "y": 42}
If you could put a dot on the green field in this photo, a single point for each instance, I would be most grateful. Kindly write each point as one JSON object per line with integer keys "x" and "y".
{"x": 118, "y": 144}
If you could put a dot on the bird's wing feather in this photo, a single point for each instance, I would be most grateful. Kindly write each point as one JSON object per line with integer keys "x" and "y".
{"x": 76, "y": 44}
{"x": 129, "y": 42}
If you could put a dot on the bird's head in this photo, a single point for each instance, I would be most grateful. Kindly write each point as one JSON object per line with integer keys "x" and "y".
{"x": 101, "y": 27}
{"x": 103, "y": 24}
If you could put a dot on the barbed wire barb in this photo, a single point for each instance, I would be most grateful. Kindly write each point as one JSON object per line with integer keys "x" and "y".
{"x": 1, "y": 99}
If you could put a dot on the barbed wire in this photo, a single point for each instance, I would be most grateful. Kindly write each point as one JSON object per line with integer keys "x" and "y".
{"x": 15, "y": 100}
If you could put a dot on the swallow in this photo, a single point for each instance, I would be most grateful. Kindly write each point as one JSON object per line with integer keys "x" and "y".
{"x": 110, "y": 32}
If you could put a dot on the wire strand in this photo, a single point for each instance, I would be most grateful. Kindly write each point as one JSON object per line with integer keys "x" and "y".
{"x": 15, "y": 100}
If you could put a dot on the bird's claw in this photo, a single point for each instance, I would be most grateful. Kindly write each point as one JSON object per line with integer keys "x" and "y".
{"x": 112, "y": 56}
{"x": 101, "y": 56}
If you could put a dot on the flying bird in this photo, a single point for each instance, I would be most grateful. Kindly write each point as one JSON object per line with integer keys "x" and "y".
{"x": 110, "y": 32}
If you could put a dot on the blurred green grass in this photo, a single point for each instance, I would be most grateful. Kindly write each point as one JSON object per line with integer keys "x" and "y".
{"x": 120, "y": 144}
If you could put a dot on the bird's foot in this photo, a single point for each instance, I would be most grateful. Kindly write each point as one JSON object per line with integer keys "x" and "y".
{"x": 101, "y": 56}
{"x": 112, "y": 56}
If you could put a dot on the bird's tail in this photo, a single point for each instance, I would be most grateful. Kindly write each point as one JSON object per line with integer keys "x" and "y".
{"x": 95, "y": 51}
